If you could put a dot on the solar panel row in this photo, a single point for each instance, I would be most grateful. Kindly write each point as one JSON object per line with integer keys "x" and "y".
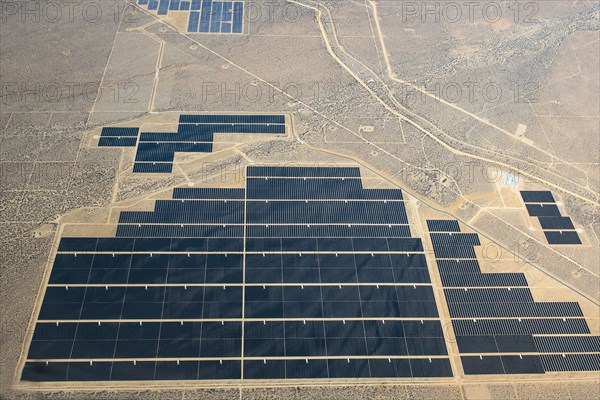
{"x": 231, "y": 119}
{"x": 515, "y": 309}
{"x": 218, "y": 268}
{"x": 303, "y": 172}
{"x": 489, "y": 295}
{"x": 484, "y": 280}
{"x": 496, "y": 344}
{"x": 231, "y": 369}
{"x": 149, "y": 302}
{"x": 562, "y": 237}
{"x": 208, "y": 193}
{"x": 334, "y": 231}
{"x": 270, "y": 245}
{"x": 568, "y": 344}
{"x": 117, "y": 142}
{"x": 556, "y": 223}
{"x": 153, "y": 168}
{"x": 537, "y": 196}
{"x": 485, "y": 365}
{"x": 187, "y": 339}
{"x": 119, "y": 132}
{"x": 571, "y": 362}
{"x": 128, "y": 244}
{"x": 558, "y": 326}
{"x": 458, "y": 267}
{"x": 455, "y": 239}
{"x": 443, "y": 225}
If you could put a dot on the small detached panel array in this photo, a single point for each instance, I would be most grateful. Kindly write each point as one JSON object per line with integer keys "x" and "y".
{"x": 195, "y": 134}
{"x": 557, "y": 228}
{"x": 205, "y": 16}
{"x": 499, "y": 327}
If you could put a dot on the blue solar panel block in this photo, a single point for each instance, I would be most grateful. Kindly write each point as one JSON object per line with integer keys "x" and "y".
{"x": 152, "y": 4}
{"x": 482, "y": 365}
{"x": 117, "y": 142}
{"x": 184, "y": 6}
{"x": 238, "y": 16}
{"x": 215, "y": 17}
{"x": 119, "y": 132}
{"x": 226, "y": 27}
{"x": 193, "y": 21}
{"x": 195, "y": 5}
{"x": 174, "y": 5}
{"x": 227, "y": 14}
{"x": 543, "y": 210}
{"x": 204, "y": 21}
{"x": 153, "y": 168}
{"x": 571, "y": 362}
{"x": 45, "y": 372}
{"x": 568, "y": 344}
{"x": 532, "y": 196}
{"x": 562, "y": 237}
{"x": 556, "y": 223}
{"x": 443, "y": 225}
{"x": 236, "y": 119}
{"x": 163, "y": 7}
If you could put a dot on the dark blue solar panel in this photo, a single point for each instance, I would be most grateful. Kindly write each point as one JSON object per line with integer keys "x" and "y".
{"x": 153, "y": 168}
{"x": 563, "y": 223}
{"x": 350, "y": 368}
{"x": 567, "y": 344}
{"x": 193, "y": 21}
{"x": 442, "y": 225}
{"x": 208, "y": 193}
{"x": 522, "y": 364}
{"x": 271, "y": 369}
{"x": 306, "y": 369}
{"x": 231, "y": 119}
{"x": 117, "y": 142}
{"x": 533, "y": 196}
{"x": 238, "y": 15}
{"x": 482, "y": 365}
{"x": 77, "y": 244}
{"x": 543, "y": 210}
{"x": 434, "y": 367}
{"x": 571, "y": 362}
{"x": 119, "y": 132}
{"x": 215, "y": 17}
{"x": 163, "y": 7}
{"x": 48, "y": 372}
{"x": 303, "y": 172}
{"x": 476, "y": 344}
{"x": 483, "y": 280}
{"x": 562, "y": 237}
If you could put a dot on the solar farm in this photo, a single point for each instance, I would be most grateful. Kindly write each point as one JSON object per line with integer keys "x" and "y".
{"x": 301, "y": 274}
{"x": 300, "y": 199}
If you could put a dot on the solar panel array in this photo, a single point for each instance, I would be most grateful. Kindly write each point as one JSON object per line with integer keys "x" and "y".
{"x": 118, "y": 137}
{"x": 195, "y": 133}
{"x": 499, "y": 327}
{"x": 557, "y": 229}
{"x": 206, "y": 16}
{"x": 254, "y": 283}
